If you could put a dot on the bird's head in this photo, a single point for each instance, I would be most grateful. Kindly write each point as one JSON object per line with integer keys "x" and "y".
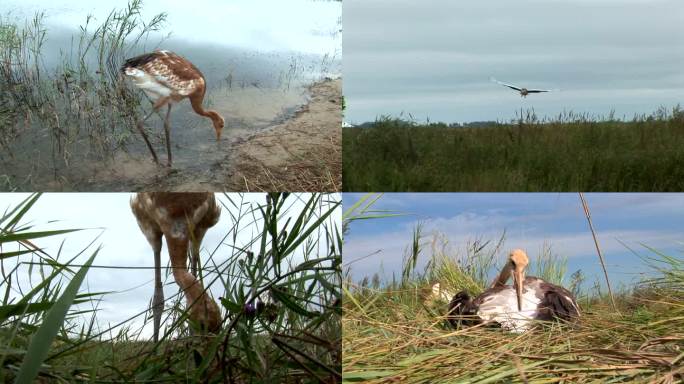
{"x": 219, "y": 122}
{"x": 518, "y": 262}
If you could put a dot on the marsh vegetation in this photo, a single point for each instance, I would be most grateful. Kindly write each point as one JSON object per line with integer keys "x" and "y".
{"x": 571, "y": 152}
{"x": 67, "y": 118}
{"x": 50, "y": 329}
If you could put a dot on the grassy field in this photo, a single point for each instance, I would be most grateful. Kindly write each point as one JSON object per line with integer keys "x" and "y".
{"x": 49, "y": 329}
{"x": 569, "y": 153}
{"x": 398, "y": 333}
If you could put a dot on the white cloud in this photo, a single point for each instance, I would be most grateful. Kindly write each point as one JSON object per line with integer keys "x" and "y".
{"x": 266, "y": 25}
{"x": 527, "y": 232}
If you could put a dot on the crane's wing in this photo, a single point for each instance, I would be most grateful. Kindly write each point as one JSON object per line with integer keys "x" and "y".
{"x": 538, "y": 90}
{"x": 505, "y": 85}
{"x": 558, "y": 302}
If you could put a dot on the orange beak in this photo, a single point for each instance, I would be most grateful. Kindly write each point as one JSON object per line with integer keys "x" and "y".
{"x": 518, "y": 279}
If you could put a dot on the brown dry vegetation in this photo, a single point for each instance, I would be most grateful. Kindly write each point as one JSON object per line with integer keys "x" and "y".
{"x": 302, "y": 154}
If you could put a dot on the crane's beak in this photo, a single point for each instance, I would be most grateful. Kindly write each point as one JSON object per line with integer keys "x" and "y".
{"x": 518, "y": 278}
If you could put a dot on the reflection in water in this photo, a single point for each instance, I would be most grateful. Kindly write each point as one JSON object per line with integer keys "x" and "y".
{"x": 251, "y": 89}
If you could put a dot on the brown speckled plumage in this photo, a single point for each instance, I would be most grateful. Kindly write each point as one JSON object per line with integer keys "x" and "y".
{"x": 168, "y": 78}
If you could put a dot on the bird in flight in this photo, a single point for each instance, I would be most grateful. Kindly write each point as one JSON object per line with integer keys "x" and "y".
{"x": 523, "y": 91}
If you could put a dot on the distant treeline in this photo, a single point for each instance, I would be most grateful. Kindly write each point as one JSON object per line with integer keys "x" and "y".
{"x": 474, "y": 124}
{"x": 573, "y": 152}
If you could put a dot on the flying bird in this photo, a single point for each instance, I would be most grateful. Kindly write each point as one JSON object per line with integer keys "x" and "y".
{"x": 168, "y": 78}
{"x": 514, "y": 308}
{"x": 523, "y": 91}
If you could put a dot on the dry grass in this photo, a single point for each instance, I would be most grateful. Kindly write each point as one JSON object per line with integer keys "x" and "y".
{"x": 390, "y": 341}
{"x": 399, "y": 333}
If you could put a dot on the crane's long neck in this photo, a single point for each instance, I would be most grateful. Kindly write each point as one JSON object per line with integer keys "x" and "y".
{"x": 503, "y": 276}
{"x": 216, "y": 119}
{"x": 196, "y": 103}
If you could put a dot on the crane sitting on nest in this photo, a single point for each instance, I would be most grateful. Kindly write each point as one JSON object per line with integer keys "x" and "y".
{"x": 515, "y": 308}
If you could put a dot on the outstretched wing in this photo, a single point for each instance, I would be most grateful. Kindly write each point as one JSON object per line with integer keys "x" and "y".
{"x": 511, "y": 86}
{"x": 538, "y": 90}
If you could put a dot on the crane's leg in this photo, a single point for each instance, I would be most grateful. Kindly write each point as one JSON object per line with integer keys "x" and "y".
{"x": 198, "y": 235}
{"x": 158, "y": 299}
{"x": 167, "y": 130}
{"x": 144, "y": 135}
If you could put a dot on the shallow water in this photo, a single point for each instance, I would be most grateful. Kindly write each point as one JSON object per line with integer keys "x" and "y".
{"x": 251, "y": 88}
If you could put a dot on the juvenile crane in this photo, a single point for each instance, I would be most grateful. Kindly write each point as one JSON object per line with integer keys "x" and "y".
{"x": 168, "y": 78}
{"x": 523, "y": 91}
{"x": 183, "y": 219}
{"x": 515, "y": 307}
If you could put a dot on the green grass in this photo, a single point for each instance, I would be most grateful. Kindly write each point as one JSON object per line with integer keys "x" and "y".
{"x": 297, "y": 339}
{"x": 397, "y": 332}
{"x": 571, "y": 153}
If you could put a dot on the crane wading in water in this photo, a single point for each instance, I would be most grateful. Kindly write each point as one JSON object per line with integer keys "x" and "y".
{"x": 183, "y": 219}
{"x": 168, "y": 78}
{"x": 523, "y": 91}
{"x": 515, "y": 308}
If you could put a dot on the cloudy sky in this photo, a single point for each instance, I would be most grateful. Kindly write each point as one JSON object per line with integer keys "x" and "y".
{"x": 530, "y": 220}
{"x": 270, "y": 25}
{"x": 434, "y": 58}
{"x": 109, "y": 216}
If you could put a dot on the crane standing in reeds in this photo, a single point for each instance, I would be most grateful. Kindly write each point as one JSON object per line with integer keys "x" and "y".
{"x": 183, "y": 219}
{"x": 168, "y": 78}
{"x": 515, "y": 308}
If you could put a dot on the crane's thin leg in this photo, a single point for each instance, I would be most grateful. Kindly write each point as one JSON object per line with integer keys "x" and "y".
{"x": 167, "y": 130}
{"x": 158, "y": 300}
{"x": 198, "y": 235}
{"x": 144, "y": 135}
{"x": 194, "y": 258}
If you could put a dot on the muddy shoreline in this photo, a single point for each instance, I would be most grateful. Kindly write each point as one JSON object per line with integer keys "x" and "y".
{"x": 302, "y": 153}
{"x": 299, "y": 151}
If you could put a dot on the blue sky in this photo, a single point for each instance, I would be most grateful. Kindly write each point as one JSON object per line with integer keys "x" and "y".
{"x": 530, "y": 221}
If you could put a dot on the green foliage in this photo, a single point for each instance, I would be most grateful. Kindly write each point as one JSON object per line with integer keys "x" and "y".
{"x": 571, "y": 153}
{"x": 294, "y": 338}
{"x": 550, "y": 266}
